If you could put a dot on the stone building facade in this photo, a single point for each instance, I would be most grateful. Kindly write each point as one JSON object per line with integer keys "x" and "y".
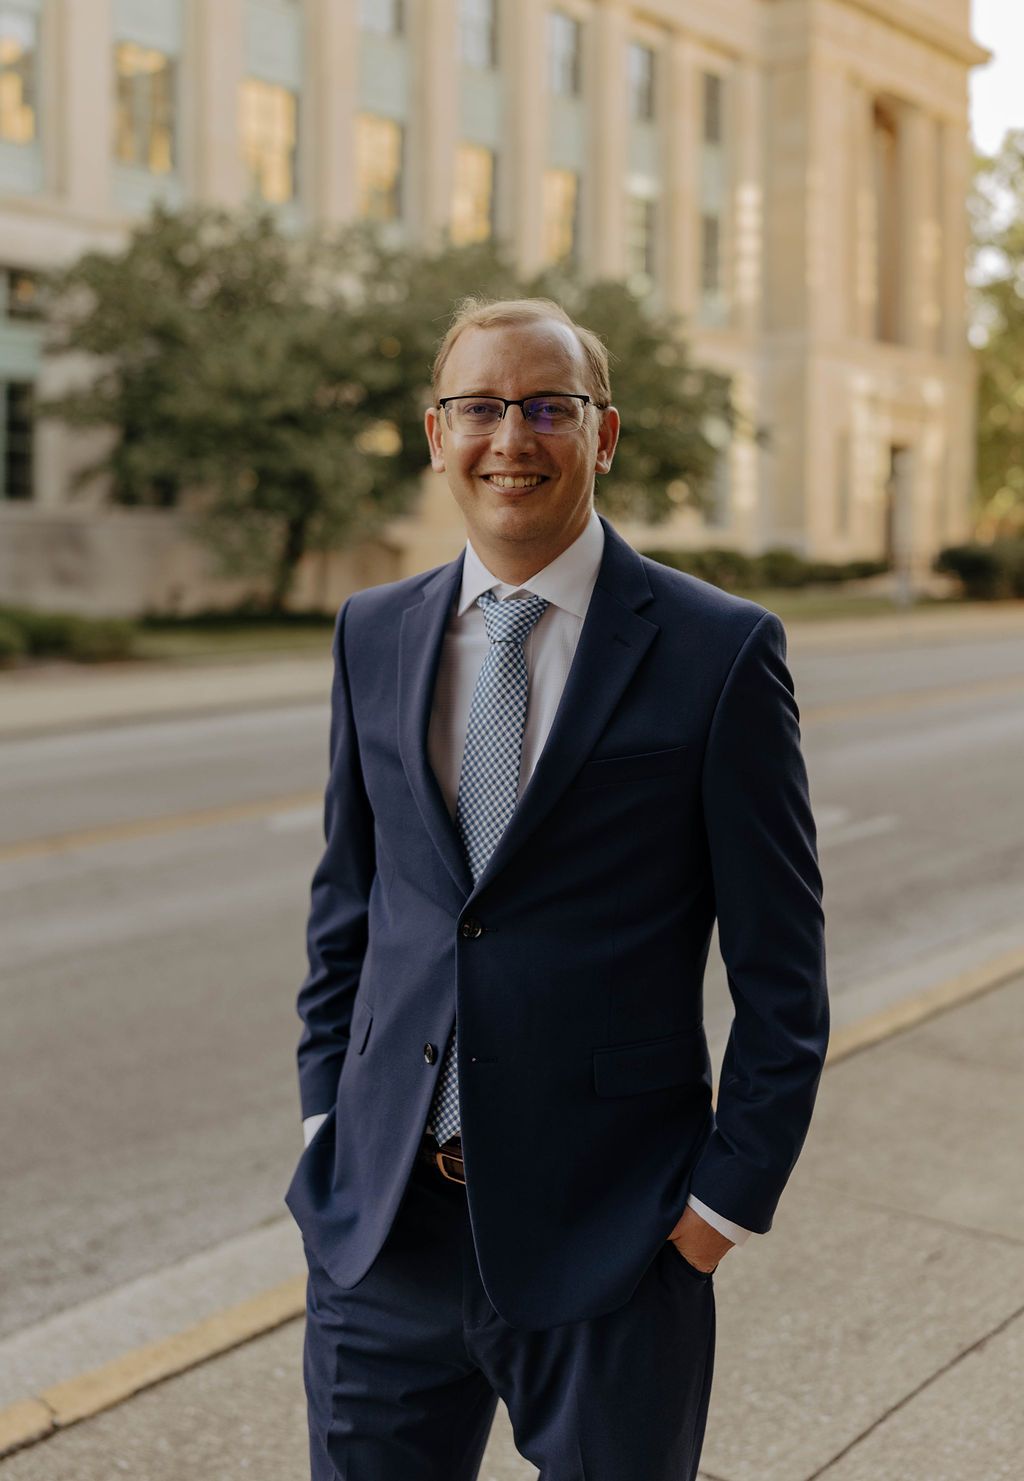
{"x": 790, "y": 175}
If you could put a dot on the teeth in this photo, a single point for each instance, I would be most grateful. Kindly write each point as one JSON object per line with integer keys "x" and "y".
{"x": 502, "y": 481}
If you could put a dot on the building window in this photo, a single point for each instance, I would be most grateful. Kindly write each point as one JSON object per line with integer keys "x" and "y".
{"x": 561, "y": 215}
{"x": 379, "y": 148}
{"x": 641, "y": 225}
{"x": 478, "y": 30}
{"x": 385, "y": 17}
{"x": 641, "y": 83}
{"x": 144, "y": 130}
{"x": 564, "y": 44}
{"x": 713, "y": 109}
{"x": 473, "y": 206}
{"x": 269, "y": 127}
{"x": 710, "y": 254}
{"x": 18, "y": 45}
{"x": 21, "y": 300}
{"x": 16, "y": 440}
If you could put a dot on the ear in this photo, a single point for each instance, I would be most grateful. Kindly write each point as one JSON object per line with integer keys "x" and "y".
{"x": 607, "y": 439}
{"x": 433, "y": 421}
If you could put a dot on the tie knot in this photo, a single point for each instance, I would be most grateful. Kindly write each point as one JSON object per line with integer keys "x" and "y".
{"x": 510, "y": 621}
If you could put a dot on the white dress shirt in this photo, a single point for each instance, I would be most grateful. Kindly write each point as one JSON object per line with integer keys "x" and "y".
{"x": 567, "y": 585}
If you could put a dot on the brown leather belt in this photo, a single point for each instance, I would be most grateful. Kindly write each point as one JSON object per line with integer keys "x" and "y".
{"x": 446, "y": 1159}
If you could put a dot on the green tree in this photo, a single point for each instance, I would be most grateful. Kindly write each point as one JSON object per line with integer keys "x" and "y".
{"x": 280, "y": 382}
{"x": 997, "y": 210}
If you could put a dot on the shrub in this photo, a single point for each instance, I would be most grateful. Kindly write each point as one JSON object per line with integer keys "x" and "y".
{"x": 987, "y": 573}
{"x": 62, "y": 635}
{"x": 100, "y": 641}
{"x": 12, "y": 643}
{"x": 773, "y": 568}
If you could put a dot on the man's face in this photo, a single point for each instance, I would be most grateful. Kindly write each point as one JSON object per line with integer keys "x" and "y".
{"x": 535, "y": 523}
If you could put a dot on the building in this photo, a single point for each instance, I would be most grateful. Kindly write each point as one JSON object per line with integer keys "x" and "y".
{"x": 789, "y": 174}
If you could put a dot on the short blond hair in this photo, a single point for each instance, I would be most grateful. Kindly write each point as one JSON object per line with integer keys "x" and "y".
{"x": 501, "y": 313}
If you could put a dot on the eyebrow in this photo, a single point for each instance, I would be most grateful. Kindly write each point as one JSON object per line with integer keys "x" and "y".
{"x": 497, "y": 396}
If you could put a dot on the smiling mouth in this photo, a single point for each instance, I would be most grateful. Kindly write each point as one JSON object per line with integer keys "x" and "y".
{"x": 512, "y": 482}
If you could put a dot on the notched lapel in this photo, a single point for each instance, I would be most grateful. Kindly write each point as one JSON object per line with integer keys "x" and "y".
{"x": 419, "y": 655}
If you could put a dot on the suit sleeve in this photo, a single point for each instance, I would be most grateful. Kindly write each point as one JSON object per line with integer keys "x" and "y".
{"x": 768, "y": 899}
{"x": 336, "y": 934}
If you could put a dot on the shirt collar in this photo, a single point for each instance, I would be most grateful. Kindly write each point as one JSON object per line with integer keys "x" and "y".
{"x": 567, "y": 582}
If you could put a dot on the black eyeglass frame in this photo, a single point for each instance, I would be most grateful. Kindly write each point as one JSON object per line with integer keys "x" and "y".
{"x": 442, "y": 403}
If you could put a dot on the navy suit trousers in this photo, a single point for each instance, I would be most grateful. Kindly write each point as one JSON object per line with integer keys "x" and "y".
{"x": 403, "y": 1371}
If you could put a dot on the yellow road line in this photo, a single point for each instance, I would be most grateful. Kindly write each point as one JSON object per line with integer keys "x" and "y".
{"x": 64, "y": 1404}
{"x": 203, "y": 817}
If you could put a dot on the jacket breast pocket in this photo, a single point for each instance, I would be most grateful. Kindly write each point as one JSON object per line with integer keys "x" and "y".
{"x": 362, "y": 1021}
{"x": 617, "y": 770}
{"x": 653, "y": 1064}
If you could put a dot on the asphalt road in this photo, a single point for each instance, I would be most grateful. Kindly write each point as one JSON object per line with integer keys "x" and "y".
{"x": 148, "y": 973}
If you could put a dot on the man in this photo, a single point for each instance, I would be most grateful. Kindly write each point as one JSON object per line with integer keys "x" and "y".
{"x": 553, "y": 764}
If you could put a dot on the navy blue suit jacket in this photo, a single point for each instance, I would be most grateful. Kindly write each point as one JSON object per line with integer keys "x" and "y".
{"x": 671, "y": 789}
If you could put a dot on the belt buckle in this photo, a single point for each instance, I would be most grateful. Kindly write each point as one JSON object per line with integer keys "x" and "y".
{"x": 441, "y": 1156}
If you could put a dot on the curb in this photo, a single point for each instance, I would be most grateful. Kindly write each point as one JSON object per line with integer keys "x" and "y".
{"x": 30, "y": 1420}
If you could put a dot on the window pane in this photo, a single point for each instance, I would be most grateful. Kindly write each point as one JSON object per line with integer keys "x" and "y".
{"x": 710, "y": 264}
{"x": 22, "y": 294}
{"x": 714, "y": 119}
{"x": 383, "y": 16}
{"x": 478, "y": 29}
{"x": 564, "y": 54}
{"x": 473, "y": 206}
{"x": 379, "y": 147}
{"x": 561, "y": 198}
{"x": 17, "y": 77}
{"x": 269, "y": 129}
{"x": 145, "y": 122}
{"x": 16, "y": 402}
{"x": 640, "y": 238}
{"x": 641, "y": 82}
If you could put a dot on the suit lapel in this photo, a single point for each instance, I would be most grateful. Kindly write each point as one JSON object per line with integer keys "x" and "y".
{"x": 419, "y": 655}
{"x": 612, "y": 642}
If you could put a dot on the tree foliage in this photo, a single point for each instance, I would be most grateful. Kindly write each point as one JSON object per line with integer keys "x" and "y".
{"x": 997, "y": 209}
{"x": 280, "y": 382}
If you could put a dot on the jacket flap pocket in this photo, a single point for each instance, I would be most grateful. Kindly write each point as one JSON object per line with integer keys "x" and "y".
{"x": 608, "y": 769}
{"x": 362, "y": 1018}
{"x": 656, "y": 1064}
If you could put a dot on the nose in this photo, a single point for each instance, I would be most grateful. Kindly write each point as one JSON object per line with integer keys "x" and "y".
{"x": 513, "y": 431}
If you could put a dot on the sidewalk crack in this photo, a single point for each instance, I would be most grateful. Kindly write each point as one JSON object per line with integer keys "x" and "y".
{"x": 907, "y": 1398}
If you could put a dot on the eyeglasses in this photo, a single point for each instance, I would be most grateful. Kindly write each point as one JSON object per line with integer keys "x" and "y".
{"x": 548, "y": 412}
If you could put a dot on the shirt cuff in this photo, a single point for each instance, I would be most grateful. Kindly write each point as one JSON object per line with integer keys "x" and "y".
{"x": 735, "y": 1232}
{"x": 312, "y": 1124}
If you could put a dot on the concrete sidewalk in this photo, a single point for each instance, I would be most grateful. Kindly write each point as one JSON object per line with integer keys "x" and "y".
{"x": 60, "y": 696}
{"x": 876, "y": 1334}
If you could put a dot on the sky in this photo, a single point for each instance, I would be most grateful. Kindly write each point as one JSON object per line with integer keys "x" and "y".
{"x": 997, "y": 92}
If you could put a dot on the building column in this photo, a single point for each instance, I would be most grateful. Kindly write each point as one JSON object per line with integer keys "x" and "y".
{"x": 863, "y": 282}
{"x": 915, "y": 171}
{"x": 433, "y": 135}
{"x": 331, "y": 56}
{"x": 218, "y": 45}
{"x": 603, "y": 247}
{"x": 682, "y": 181}
{"x": 523, "y": 41}
{"x": 747, "y": 212}
{"x": 86, "y": 114}
{"x": 955, "y": 167}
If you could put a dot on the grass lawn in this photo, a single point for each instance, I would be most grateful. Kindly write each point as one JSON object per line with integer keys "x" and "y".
{"x": 189, "y": 641}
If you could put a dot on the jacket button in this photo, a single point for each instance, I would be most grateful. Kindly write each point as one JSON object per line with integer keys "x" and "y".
{"x": 429, "y": 1053}
{"x": 470, "y": 929}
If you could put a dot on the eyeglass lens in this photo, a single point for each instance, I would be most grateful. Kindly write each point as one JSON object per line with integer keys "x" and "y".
{"x": 479, "y": 414}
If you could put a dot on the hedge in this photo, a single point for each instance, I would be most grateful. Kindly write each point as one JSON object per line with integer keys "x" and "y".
{"x": 987, "y": 573}
{"x": 735, "y": 571}
{"x": 60, "y": 635}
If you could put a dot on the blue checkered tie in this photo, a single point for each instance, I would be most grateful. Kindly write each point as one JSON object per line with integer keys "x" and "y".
{"x": 489, "y": 779}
